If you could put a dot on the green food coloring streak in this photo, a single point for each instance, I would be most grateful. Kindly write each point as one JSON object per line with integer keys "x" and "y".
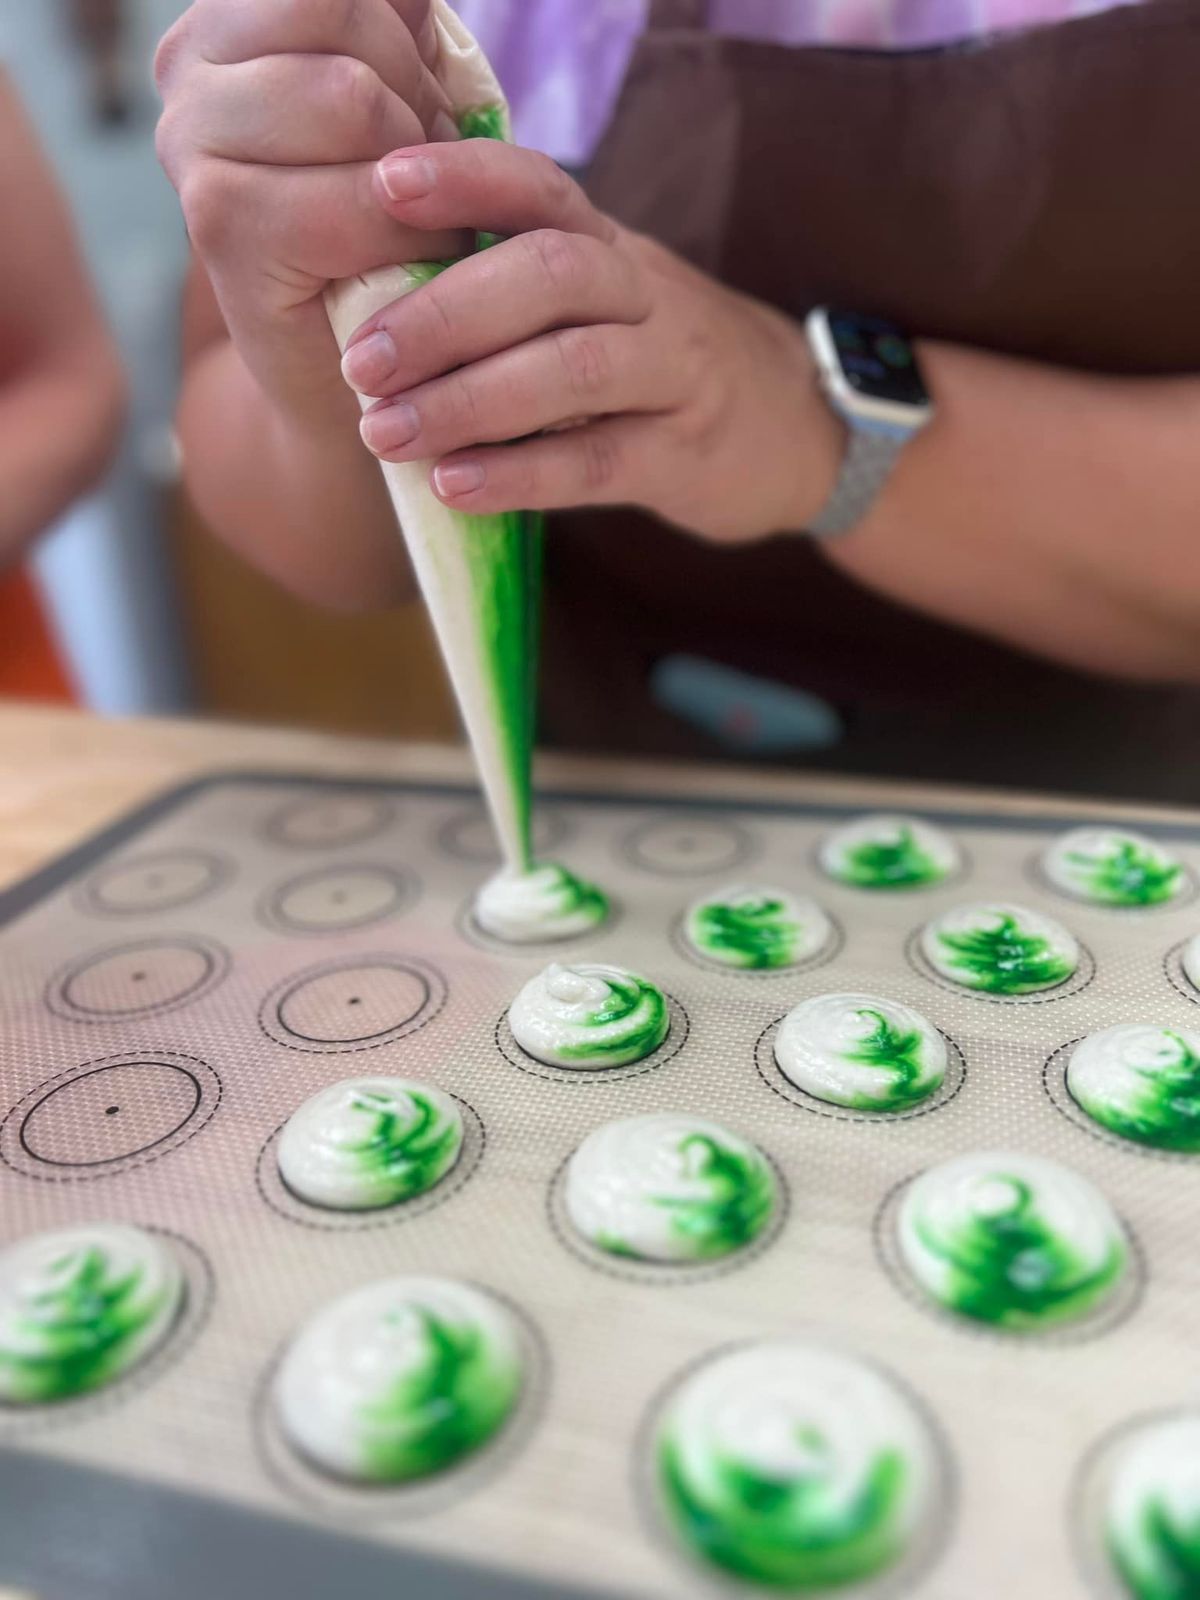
{"x": 503, "y": 557}
{"x": 1164, "y": 1109}
{"x": 1007, "y": 1267}
{"x": 576, "y": 897}
{"x": 1127, "y": 876}
{"x": 452, "y": 1403}
{"x": 1004, "y": 959}
{"x": 402, "y": 1156}
{"x": 81, "y": 1329}
{"x": 612, "y": 1245}
{"x": 637, "y": 1004}
{"x": 899, "y": 1053}
{"x": 753, "y": 933}
{"x": 738, "y": 1203}
{"x": 1162, "y": 1562}
{"x": 483, "y": 122}
{"x": 799, "y": 1531}
{"x": 897, "y": 863}
{"x": 423, "y": 272}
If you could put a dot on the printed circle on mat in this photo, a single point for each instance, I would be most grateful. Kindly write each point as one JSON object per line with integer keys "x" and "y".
{"x": 327, "y": 820}
{"x": 109, "y": 1115}
{"x": 357, "y": 1004}
{"x": 159, "y": 882}
{"x": 469, "y": 835}
{"x": 132, "y": 980}
{"x": 332, "y": 898}
{"x": 686, "y": 846}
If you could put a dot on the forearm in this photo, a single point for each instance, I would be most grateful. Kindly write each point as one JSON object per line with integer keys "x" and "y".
{"x": 304, "y": 502}
{"x": 59, "y": 428}
{"x": 1056, "y": 511}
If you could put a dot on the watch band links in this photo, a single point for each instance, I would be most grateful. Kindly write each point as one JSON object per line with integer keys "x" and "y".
{"x": 866, "y": 467}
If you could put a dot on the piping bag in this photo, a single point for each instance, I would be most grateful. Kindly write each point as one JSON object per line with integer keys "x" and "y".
{"x": 480, "y": 576}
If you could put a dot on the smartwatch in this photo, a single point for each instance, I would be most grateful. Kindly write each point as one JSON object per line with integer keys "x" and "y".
{"x": 868, "y": 372}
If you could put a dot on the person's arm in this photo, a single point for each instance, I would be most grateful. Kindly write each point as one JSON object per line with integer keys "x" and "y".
{"x": 1048, "y": 509}
{"x": 1055, "y": 511}
{"x": 295, "y": 494}
{"x": 273, "y": 118}
{"x": 62, "y": 389}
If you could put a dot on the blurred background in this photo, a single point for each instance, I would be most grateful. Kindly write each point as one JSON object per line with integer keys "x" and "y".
{"x": 133, "y": 607}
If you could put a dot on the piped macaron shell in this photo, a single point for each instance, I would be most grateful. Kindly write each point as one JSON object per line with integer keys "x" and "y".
{"x": 669, "y": 1186}
{"x": 1000, "y": 948}
{"x": 81, "y": 1306}
{"x": 589, "y": 1016}
{"x": 889, "y": 851}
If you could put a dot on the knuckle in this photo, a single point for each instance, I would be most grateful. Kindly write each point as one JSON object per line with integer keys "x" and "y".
{"x": 298, "y": 16}
{"x": 437, "y": 327}
{"x": 585, "y": 360}
{"x": 348, "y": 13}
{"x": 559, "y": 261}
{"x": 556, "y": 185}
{"x": 353, "y": 103}
{"x": 601, "y": 459}
{"x": 349, "y": 83}
{"x": 697, "y": 362}
{"x": 167, "y": 56}
{"x": 462, "y": 404}
{"x": 166, "y": 142}
{"x": 522, "y": 480}
{"x": 208, "y": 202}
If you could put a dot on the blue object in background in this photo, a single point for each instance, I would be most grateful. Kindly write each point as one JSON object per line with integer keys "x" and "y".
{"x": 753, "y": 716}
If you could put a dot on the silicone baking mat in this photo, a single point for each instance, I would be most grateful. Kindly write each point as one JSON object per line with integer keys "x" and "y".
{"x": 172, "y": 990}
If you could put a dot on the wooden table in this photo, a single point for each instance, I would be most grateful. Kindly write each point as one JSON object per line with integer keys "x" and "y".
{"x": 64, "y": 774}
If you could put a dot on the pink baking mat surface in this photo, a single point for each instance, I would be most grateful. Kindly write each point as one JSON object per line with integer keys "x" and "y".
{"x": 207, "y": 972}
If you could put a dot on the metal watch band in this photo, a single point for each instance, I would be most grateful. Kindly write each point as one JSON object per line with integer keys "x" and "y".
{"x": 866, "y": 466}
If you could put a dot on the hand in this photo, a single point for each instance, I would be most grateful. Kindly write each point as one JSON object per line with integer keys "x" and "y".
{"x": 623, "y": 375}
{"x": 275, "y": 112}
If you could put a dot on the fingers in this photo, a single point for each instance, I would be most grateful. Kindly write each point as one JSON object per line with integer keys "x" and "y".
{"x": 578, "y": 372}
{"x": 349, "y": 114}
{"x": 373, "y": 32}
{"x": 609, "y": 462}
{"x": 321, "y": 221}
{"x": 417, "y": 16}
{"x": 506, "y": 296}
{"x": 487, "y": 185}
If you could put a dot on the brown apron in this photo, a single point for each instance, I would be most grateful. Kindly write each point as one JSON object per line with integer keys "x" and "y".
{"x": 1033, "y": 194}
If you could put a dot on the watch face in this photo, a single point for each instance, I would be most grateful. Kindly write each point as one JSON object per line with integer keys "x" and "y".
{"x": 877, "y": 359}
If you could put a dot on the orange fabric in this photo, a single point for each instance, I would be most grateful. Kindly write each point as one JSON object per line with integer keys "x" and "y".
{"x": 30, "y": 665}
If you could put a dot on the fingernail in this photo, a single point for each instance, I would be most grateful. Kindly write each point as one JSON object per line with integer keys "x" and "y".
{"x": 407, "y": 177}
{"x": 444, "y": 127}
{"x": 455, "y": 478}
{"x": 389, "y": 428}
{"x": 368, "y": 365}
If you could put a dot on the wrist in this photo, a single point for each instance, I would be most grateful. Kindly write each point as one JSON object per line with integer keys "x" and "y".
{"x": 817, "y": 437}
